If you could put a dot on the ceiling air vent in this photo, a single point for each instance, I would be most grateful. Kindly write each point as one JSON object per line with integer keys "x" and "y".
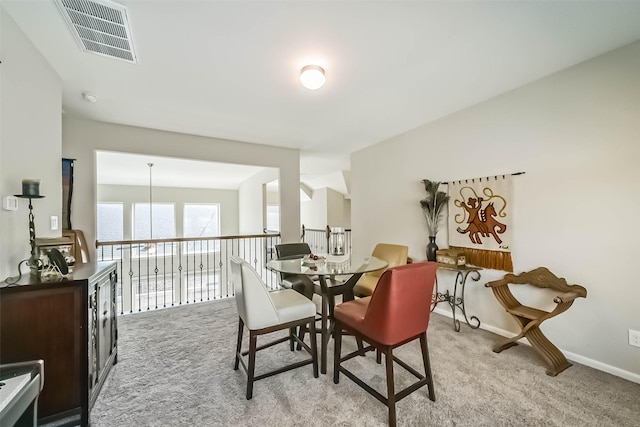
{"x": 100, "y": 27}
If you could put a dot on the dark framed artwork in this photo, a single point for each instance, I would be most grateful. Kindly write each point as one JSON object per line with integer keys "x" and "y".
{"x": 67, "y": 192}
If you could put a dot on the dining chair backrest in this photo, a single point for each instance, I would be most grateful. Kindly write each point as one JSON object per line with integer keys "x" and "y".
{"x": 394, "y": 255}
{"x": 255, "y": 306}
{"x": 292, "y": 250}
{"x": 399, "y": 306}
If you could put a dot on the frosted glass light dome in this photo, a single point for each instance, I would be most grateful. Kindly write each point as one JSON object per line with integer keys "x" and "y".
{"x": 312, "y": 77}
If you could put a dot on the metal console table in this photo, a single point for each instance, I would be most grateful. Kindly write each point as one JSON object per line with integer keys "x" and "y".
{"x": 455, "y": 301}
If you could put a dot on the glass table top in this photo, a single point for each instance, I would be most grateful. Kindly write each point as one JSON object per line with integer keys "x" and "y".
{"x": 327, "y": 266}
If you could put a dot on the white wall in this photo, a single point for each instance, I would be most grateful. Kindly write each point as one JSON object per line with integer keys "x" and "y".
{"x": 30, "y": 136}
{"x": 326, "y": 207}
{"x": 313, "y": 213}
{"x": 252, "y": 200}
{"x": 576, "y": 134}
{"x": 129, "y": 194}
{"x": 81, "y": 138}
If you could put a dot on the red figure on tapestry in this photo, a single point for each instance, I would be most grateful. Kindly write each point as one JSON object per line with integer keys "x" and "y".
{"x": 481, "y": 222}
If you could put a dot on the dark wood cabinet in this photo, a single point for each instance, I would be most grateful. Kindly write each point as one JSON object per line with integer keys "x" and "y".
{"x": 71, "y": 324}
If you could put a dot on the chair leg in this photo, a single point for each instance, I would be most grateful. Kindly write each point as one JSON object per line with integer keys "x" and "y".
{"x": 253, "y": 341}
{"x": 551, "y": 356}
{"x": 427, "y": 365}
{"x": 239, "y": 345}
{"x": 301, "y": 334}
{"x": 378, "y": 356}
{"x": 391, "y": 394}
{"x": 292, "y": 333}
{"x": 314, "y": 346}
{"x": 337, "y": 348}
{"x": 324, "y": 334}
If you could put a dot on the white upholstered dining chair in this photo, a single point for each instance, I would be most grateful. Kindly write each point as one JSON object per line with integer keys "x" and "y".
{"x": 264, "y": 312}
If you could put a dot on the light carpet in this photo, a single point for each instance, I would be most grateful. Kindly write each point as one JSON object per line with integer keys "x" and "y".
{"x": 175, "y": 368}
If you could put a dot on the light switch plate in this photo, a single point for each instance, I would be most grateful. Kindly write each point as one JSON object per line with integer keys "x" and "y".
{"x": 54, "y": 223}
{"x": 10, "y": 203}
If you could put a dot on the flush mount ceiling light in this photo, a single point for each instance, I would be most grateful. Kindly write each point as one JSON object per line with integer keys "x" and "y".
{"x": 312, "y": 77}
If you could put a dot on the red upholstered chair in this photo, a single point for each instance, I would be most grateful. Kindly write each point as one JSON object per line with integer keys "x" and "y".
{"x": 397, "y": 313}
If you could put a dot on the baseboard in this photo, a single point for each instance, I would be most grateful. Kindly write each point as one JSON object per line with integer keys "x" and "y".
{"x": 578, "y": 358}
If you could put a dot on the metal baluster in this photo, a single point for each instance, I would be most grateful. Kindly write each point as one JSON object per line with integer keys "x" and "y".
{"x": 255, "y": 252}
{"x": 131, "y": 293}
{"x": 180, "y": 272}
{"x": 208, "y": 270}
{"x": 187, "y": 261}
{"x": 155, "y": 269}
{"x": 218, "y": 283}
{"x": 173, "y": 275}
{"x": 226, "y": 284}
{"x": 201, "y": 266}
{"x": 120, "y": 280}
{"x": 164, "y": 275}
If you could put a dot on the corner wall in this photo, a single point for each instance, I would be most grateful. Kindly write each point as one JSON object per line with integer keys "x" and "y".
{"x": 30, "y": 139}
{"x": 576, "y": 135}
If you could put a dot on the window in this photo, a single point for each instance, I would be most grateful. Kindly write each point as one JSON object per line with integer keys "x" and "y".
{"x": 160, "y": 222}
{"x": 162, "y": 218}
{"x": 110, "y": 222}
{"x": 273, "y": 217}
{"x": 201, "y": 220}
{"x": 110, "y": 227}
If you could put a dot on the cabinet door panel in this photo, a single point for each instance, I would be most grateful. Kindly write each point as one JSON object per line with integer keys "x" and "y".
{"x": 104, "y": 324}
{"x": 47, "y": 324}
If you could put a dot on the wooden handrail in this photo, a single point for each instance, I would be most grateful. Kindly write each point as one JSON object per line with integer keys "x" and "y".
{"x": 184, "y": 239}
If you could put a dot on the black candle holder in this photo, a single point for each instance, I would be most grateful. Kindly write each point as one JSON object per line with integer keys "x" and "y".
{"x": 34, "y": 262}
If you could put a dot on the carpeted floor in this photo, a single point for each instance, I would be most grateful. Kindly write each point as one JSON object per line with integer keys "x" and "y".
{"x": 175, "y": 368}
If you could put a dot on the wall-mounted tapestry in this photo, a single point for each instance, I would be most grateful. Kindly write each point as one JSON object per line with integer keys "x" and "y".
{"x": 480, "y": 220}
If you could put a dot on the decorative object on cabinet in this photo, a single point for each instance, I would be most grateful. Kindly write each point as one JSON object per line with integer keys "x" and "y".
{"x": 529, "y": 318}
{"x": 432, "y": 206}
{"x": 78, "y": 348}
{"x": 451, "y": 257}
{"x": 81, "y": 249}
{"x": 65, "y": 245}
{"x": 30, "y": 190}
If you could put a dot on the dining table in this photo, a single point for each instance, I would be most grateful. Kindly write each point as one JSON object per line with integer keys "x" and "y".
{"x": 336, "y": 276}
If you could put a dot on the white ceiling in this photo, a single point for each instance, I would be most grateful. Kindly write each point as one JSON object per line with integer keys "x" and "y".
{"x": 229, "y": 69}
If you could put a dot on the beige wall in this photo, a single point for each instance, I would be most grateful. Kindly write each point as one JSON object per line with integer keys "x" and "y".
{"x": 30, "y": 138}
{"x": 81, "y": 139}
{"x": 576, "y": 134}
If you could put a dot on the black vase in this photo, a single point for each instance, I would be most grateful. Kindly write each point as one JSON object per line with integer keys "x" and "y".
{"x": 431, "y": 248}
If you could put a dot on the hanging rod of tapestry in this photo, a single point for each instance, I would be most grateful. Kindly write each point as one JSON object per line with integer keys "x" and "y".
{"x": 495, "y": 177}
